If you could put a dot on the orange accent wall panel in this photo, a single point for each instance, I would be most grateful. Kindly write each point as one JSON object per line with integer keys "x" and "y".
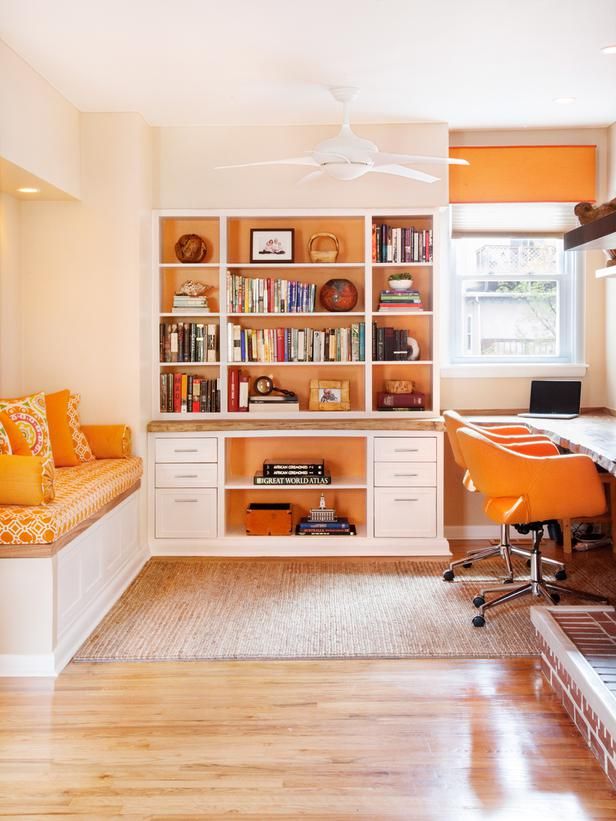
{"x": 523, "y": 173}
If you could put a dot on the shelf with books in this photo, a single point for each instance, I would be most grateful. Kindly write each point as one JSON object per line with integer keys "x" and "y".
{"x": 421, "y": 376}
{"x": 422, "y": 285}
{"x": 407, "y": 335}
{"x": 185, "y": 342}
{"x": 349, "y": 231}
{"x": 398, "y": 239}
{"x": 185, "y": 392}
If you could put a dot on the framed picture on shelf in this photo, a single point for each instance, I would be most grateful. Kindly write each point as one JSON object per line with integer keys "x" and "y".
{"x": 329, "y": 395}
{"x": 271, "y": 245}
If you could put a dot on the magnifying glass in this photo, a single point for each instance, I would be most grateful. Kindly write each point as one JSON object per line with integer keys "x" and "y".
{"x": 264, "y": 385}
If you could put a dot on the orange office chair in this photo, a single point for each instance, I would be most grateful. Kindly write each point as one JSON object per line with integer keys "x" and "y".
{"x": 529, "y": 491}
{"x": 514, "y": 437}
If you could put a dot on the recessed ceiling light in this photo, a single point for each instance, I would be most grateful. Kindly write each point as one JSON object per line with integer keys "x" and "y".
{"x": 28, "y": 190}
{"x": 564, "y": 100}
{"x": 609, "y": 49}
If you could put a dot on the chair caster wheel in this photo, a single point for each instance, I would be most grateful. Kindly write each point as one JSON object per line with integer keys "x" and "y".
{"x": 560, "y": 575}
{"x": 467, "y": 565}
{"x": 508, "y": 581}
{"x": 478, "y": 621}
{"x": 448, "y": 576}
{"x": 555, "y": 597}
{"x": 479, "y": 601}
{"x": 527, "y": 562}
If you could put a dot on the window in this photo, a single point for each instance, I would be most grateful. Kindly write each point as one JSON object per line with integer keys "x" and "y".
{"x": 514, "y": 299}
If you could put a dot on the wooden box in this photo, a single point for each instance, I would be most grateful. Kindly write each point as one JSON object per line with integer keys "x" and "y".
{"x": 269, "y": 519}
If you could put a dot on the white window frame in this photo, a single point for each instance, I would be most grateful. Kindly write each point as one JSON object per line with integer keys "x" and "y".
{"x": 569, "y": 363}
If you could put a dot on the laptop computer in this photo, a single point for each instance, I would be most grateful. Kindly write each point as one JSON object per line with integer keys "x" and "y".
{"x": 551, "y": 399}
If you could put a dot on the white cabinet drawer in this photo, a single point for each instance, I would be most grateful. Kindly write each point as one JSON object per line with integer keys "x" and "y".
{"x": 186, "y": 450}
{"x": 401, "y": 474}
{"x": 185, "y": 514}
{"x": 405, "y": 512}
{"x": 405, "y": 449}
{"x": 187, "y": 475}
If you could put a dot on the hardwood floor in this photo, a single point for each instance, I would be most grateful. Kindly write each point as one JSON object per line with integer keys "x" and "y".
{"x": 404, "y": 739}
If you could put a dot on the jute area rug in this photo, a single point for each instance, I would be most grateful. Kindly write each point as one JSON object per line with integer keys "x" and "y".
{"x": 191, "y": 609}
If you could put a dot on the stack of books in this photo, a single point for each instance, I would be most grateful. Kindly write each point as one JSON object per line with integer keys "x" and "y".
{"x": 273, "y": 404}
{"x": 323, "y": 521}
{"x": 390, "y": 300}
{"x": 297, "y": 472}
{"x": 401, "y": 401}
{"x": 190, "y": 305}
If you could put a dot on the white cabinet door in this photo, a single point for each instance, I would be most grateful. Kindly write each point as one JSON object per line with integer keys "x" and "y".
{"x": 405, "y": 512}
{"x": 185, "y": 513}
{"x": 186, "y": 450}
{"x": 405, "y": 449}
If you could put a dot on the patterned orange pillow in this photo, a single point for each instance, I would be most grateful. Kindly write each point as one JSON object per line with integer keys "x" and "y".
{"x": 80, "y": 443}
{"x": 5, "y": 442}
{"x": 30, "y": 415}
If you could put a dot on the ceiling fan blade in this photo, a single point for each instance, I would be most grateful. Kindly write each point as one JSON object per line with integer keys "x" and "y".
{"x": 310, "y": 177}
{"x": 307, "y": 160}
{"x": 401, "y": 171}
{"x": 394, "y": 159}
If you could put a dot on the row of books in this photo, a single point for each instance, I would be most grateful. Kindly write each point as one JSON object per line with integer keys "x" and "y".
{"x": 258, "y": 295}
{"x": 391, "y": 244}
{"x": 392, "y": 301}
{"x": 390, "y": 344}
{"x": 185, "y": 393}
{"x": 188, "y": 342}
{"x": 297, "y": 344}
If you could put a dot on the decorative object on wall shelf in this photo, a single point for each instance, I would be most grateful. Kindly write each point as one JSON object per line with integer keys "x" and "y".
{"x": 397, "y": 299}
{"x": 401, "y": 281}
{"x": 398, "y": 386}
{"x": 329, "y": 395}
{"x": 317, "y": 255}
{"x": 191, "y": 298}
{"x": 264, "y": 386}
{"x": 586, "y": 212}
{"x": 269, "y": 519}
{"x": 271, "y": 245}
{"x": 338, "y": 295}
{"x": 190, "y": 248}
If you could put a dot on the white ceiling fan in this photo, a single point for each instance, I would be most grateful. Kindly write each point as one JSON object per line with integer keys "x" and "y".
{"x": 347, "y": 156}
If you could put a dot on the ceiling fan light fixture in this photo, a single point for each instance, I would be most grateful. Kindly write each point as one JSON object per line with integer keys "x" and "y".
{"x": 346, "y": 170}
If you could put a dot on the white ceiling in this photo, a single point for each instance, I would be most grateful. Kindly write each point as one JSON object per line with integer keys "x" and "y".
{"x": 472, "y": 63}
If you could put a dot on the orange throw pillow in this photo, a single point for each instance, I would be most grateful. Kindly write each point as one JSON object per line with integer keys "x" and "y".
{"x": 25, "y": 480}
{"x": 59, "y": 429}
{"x": 18, "y": 443}
{"x": 80, "y": 443}
{"x": 30, "y": 415}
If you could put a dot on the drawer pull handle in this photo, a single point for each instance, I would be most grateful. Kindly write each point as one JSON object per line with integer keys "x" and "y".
{"x": 185, "y": 500}
{"x": 404, "y": 475}
{"x": 406, "y": 450}
{"x": 406, "y": 500}
{"x": 186, "y": 476}
{"x": 185, "y": 450}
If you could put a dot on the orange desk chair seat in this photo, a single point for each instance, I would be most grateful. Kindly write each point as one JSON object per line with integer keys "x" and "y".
{"x": 530, "y": 491}
{"x": 514, "y": 437}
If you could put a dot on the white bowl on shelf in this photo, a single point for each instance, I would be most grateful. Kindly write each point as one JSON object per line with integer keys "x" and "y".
{"x": 400, "y": 284}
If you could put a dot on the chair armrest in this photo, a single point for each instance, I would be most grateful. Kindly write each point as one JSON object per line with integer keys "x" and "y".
{"x": 534, "y": 448}
{"x": 505, "y": 430}
{"x": 507, "y": 441}
{"x": 108, "y": 441}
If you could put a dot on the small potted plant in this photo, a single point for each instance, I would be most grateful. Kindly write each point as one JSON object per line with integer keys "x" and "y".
{"x": 401, "y": 281}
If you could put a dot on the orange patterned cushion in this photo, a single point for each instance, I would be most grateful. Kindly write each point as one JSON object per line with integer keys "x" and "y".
{"x": 5, "y": 442}
{"x": 64, "y": 455}
{"x": 80, "y": 443}
{"x": 19, "y": 446}
{"x": 80, "y": 492}
{"x": 30, "y": 415}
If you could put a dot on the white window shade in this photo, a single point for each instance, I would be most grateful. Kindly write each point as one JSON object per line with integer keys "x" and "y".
{"x": 507, "y": 219}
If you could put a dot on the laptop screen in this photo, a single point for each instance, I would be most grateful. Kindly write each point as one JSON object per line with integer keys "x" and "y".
{"x": 555, "y": 397}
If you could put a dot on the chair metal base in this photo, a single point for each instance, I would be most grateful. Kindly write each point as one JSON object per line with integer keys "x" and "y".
{"x": 504, "y": 550}
{"x": 536, "y": 586}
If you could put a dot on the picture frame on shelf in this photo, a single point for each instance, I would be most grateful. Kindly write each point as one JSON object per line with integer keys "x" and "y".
{"x": 271, "y": 245}
{"x": 329, "y": 395}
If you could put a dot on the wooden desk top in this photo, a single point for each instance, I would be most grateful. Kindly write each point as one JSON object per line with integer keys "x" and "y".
{"x": 591, "y": 433}
{"x": 250, "y": 423}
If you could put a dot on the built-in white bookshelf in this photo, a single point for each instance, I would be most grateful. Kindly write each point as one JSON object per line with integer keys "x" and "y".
{"x": 227, "y": 235}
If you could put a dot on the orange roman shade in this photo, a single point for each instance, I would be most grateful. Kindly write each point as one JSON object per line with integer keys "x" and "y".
{"x": 523, "y": 173}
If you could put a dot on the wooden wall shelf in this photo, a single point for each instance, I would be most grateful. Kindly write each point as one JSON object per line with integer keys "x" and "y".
{"x": 598, "y": 234}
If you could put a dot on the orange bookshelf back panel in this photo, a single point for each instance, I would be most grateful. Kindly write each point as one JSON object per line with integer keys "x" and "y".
{"x": 420, "y": 375}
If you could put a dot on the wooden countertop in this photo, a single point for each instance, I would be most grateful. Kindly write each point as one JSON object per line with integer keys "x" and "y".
{"x": 250, "y": 423}
{"x": 591, "y": 433}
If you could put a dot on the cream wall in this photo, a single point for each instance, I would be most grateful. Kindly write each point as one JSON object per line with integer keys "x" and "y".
{"x": 39, "y": 129}
{"x": 610, "y": 288}
{"x": 84, "y": 269}
{"x": 11, "y": 304}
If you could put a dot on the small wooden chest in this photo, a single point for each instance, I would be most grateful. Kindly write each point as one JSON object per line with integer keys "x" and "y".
{"x": 269, "y": 519}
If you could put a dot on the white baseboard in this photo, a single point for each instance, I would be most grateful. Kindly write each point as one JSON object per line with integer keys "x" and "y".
{"x": 97, "y": 609}
{"x": 472, "y": 532}
{"x": 16, "y": 665}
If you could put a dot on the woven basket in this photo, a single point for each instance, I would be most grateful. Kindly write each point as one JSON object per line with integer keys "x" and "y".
{"x": 323, "y": 256}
